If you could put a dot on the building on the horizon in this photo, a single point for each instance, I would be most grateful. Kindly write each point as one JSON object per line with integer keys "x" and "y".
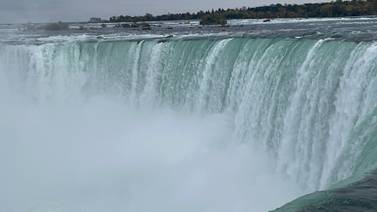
{"x": 95, "y": 20}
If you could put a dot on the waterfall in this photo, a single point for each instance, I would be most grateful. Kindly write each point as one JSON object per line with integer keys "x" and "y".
{"x": 309, "y": 105}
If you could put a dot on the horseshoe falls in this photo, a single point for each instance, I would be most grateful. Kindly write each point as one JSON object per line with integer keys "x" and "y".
{"x": 225, "y": 124}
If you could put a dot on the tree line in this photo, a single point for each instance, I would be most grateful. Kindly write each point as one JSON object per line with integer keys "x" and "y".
{"x": 338, "y": 8}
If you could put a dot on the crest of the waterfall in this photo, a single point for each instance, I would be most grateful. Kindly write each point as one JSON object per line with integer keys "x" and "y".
{"x": 246, "y": 60}
{"x": 149, "y": 94}
{"x": 205, "y": 80}
{"x": 135, "y": 71}
{"x": 253, "y": 116}
{"x": 294, "y": 138}
{"x": 355, "y": 102}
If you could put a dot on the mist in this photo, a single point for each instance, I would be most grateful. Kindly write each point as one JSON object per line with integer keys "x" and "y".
{"x": 101, "y": 155}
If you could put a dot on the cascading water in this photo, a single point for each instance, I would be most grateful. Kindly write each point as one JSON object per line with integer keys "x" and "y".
{"x": 270, "y": 119}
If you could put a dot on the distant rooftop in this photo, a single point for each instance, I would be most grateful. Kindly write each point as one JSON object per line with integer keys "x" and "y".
{"x": 95, "y": 20}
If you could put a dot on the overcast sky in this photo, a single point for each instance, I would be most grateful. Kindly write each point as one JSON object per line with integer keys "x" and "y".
{"x": 76, "y": 10}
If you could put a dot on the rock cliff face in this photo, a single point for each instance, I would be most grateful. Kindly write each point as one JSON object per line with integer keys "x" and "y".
{"x": 358, "y": 196}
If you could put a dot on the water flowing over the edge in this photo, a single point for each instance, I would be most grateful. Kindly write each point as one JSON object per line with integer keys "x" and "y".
{"x": 310, "y": 104}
